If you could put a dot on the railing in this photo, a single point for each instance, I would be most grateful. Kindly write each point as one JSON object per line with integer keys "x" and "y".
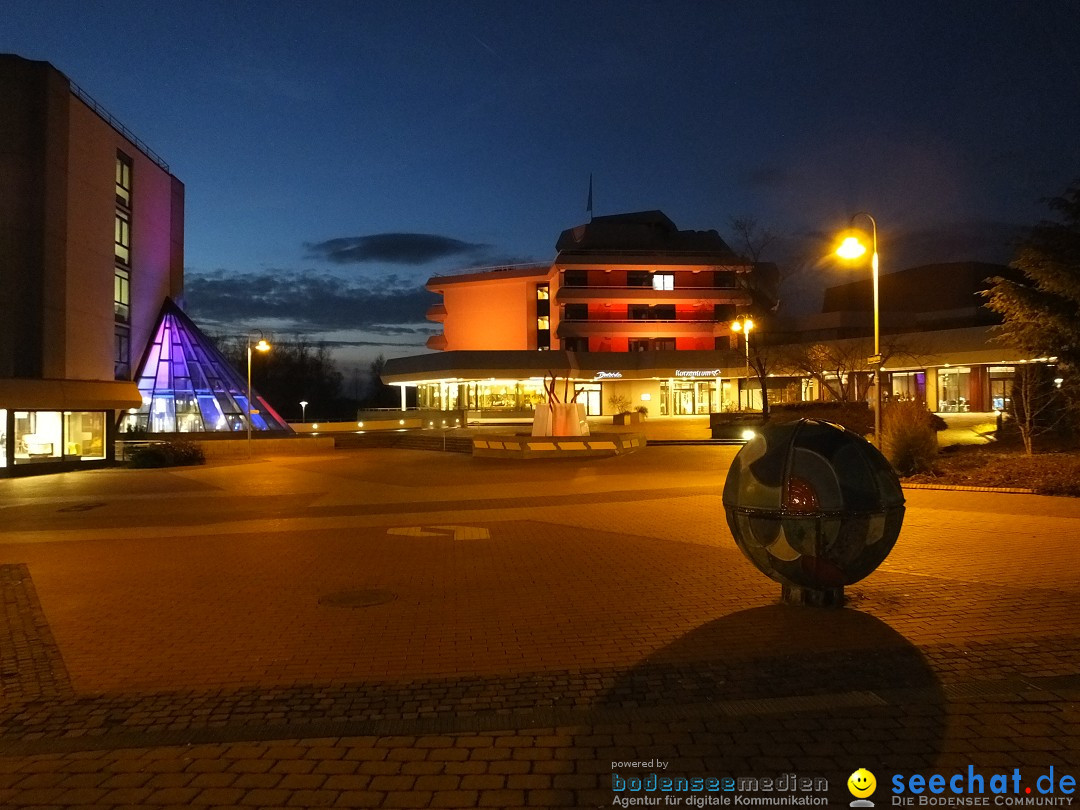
{"x": 639, "y": 287}
{"x": 642, "y": 320}
{"x": 87, "y": 99}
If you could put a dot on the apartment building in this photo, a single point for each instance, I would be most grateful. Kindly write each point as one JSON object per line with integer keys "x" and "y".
{"x": 91, "y": 245}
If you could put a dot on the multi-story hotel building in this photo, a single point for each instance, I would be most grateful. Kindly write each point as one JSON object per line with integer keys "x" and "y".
{"x": 634, "y": 312}
{"x": 631, "y": 307}
{"x": 91, "y": 244}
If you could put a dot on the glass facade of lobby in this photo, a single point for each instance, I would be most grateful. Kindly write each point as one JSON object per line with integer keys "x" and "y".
{"x": 41, "y": 437}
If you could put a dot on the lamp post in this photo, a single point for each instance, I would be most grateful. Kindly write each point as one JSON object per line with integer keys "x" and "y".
{"x": 745, "y": 324}
{"x": 852, "y": 248}
{"x": 303, "y": 410}
{"x": 261, "y": 346}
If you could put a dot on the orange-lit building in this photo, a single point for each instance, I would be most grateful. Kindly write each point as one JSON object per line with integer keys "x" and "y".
{"x": 91, "y": 244}
{"x": 631, "y": 307}
{"x": 635, "y": 313}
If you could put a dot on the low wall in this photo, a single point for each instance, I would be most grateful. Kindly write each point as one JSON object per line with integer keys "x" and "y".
{"x": 234, "y": 448}
{"x": 598, "y": 445}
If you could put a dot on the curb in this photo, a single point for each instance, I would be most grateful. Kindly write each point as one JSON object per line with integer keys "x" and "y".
{"x": 962, "y": 488}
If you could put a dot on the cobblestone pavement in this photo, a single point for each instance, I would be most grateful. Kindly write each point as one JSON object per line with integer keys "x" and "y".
{"x": 386, "y": 628}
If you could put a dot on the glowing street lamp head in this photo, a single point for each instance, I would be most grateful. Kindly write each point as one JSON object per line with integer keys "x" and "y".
{"x": 742, "y": 325}
{"x": 262, "y": 346}
{"x": 736, "y": 326}
{"x": 851, "y": 248}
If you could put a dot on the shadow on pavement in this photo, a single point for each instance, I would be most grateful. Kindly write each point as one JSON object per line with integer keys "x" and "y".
{"x": 782, "y": 689}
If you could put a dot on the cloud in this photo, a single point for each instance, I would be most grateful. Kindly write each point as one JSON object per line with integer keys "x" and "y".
{"x": 313, "y": 302}
{"x": 396, "y": 248}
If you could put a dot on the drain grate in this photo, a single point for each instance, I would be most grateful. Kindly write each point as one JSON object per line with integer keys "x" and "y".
{"x": 357, "y": 599}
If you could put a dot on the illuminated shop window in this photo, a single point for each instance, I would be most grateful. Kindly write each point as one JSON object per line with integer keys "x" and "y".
{"x": 3, "y": 437}
{"x": 123, "y": 237}
{"x": 123, "y": 180}
{"x": 84, "y": 434}
{"x": 38, "y": 436}
{"x": 663, "y": 281}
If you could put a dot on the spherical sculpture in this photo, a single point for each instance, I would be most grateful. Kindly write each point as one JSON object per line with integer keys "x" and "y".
{"x": 814, "y": 506}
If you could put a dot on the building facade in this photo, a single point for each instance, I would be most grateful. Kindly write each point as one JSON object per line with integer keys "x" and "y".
{"x": 634, "y": 313}
{"x": 631, "y": 307}
{"x": 91, "y": 244}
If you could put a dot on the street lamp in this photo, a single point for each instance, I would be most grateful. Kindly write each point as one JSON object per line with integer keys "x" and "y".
{"x": 303, "y": 410}
{"x": 261, "y": 346}
{"x": 852, "y": 247}
{"x": 745, "y": 324}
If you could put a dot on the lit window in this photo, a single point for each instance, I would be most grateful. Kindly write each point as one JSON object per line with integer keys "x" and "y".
{"x": 663, "y": 281}
{"x": 123, "y": 180}
{"x": 122, "y": 295}
{"x": 543, "y": 322}
{"x": 542, "y": 292}
{"x": 123, "y": 237}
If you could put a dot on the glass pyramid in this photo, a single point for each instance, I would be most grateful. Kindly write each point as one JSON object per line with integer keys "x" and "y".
{"x": 188, "y": 386}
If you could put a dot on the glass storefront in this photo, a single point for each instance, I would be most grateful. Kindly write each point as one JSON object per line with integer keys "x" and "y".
{"x": 43, "y": 436}
{"x": 3, "y": 437}
{"x": 1001, "y": 383}
{"x": 908, "y": 386}
{"x": 954, "y": 390}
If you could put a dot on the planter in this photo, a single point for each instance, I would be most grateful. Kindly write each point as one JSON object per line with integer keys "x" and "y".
{"x": 626, "y": 419}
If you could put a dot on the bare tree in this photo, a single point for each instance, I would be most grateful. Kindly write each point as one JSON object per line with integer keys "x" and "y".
{"x": 750, "y": 236}
{"x": 1036, "y": 403}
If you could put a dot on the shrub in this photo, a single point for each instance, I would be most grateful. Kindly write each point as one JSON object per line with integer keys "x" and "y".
{"x": 855, "y": 416}
{"x": 619, "y": 403}
{"x": 167, "y": 454}
{"x": 908, "y": 437}
{"x": 643, "y": 410}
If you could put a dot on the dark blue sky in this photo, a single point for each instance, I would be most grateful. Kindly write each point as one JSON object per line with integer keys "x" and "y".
{"x": 310, "y": 136}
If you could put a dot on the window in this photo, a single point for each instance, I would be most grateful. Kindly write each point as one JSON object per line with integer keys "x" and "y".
{"x": 725, "y": 279}
{"x": 663, "y": 312}
{"x": 122, "y": 295}
{"x": 576, "y": 344}
{"x": 575, "y": 278}
{"x": 663, "y": 281}
{"x": 639, "y": 278}
{"x": 84, "y": 434}
{"x": 543, "y": 322}
{"x": 542, "y": 292}
{"x": 637, "y": 312}
{"x": 123, "y": 180}
{"x": 122, "y": 353}
{"x": 663, "y": 344}
{"x": 38, "y": 436}
{"x": 123, "y": 237}
{"x": 576, "y": 312}
{"x": 644, "y": 312}
{"x": 638, "y": 344}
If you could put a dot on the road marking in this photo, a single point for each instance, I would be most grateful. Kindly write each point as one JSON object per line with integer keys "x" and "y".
{"x": 457, "y": 532}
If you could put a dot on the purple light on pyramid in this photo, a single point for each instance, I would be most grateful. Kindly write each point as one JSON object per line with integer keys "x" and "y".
{"x": 188, "y": 386}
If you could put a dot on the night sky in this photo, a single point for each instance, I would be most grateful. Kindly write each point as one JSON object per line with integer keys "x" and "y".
{"x": 335, "y": 155}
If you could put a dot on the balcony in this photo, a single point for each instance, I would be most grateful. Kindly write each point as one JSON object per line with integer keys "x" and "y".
{"x": 437, "y": 342}
{"x": 437, "y": 312}
{"x": 640, "y": 327}
{"x": 647, "y": 295}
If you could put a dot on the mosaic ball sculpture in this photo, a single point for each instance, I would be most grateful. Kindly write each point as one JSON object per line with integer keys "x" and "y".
{"x": 813, "y": 505}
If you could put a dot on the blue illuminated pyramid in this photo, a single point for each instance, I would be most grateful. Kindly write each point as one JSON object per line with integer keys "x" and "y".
{"x": 188, "y": 386}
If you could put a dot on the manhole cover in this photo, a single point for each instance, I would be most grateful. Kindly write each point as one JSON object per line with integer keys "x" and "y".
{"x": 80, "y": 507}
{"x": 357, "y": 599}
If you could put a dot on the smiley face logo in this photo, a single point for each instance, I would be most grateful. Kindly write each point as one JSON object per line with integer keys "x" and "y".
{"x": 861, "y": 783}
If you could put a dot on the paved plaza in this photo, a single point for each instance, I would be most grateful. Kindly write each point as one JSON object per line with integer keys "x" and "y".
{"x": 393, "y": 628}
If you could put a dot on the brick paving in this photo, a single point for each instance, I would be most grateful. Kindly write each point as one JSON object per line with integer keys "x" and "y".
{"x": 174, "y": 644}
